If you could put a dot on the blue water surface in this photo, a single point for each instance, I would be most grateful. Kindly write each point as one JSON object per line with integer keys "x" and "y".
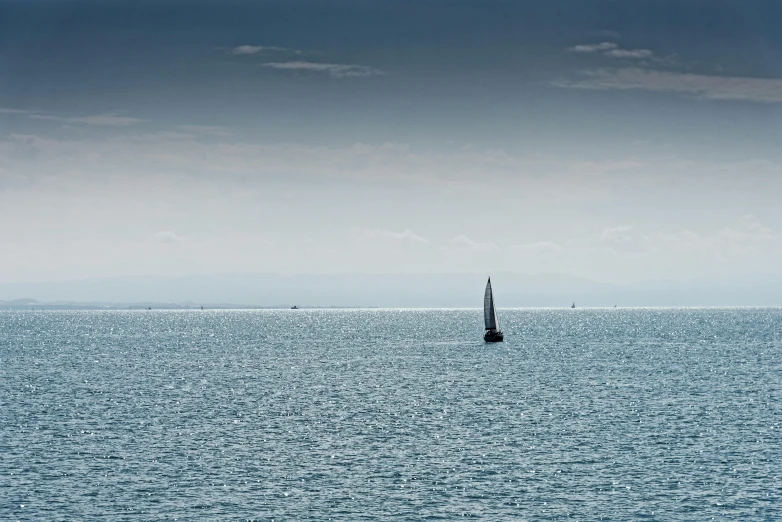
{"x": 586, "y": 414}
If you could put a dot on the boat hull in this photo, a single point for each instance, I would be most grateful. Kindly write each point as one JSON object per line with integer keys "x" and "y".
{"x": 493, "y": 337}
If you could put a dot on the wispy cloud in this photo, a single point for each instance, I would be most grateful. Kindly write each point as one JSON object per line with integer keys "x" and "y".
{"x": 612, "y": 50}
{"x": 604, "y": 167}
{"x": 465, "y": 242}
{"x": 538, "y": 247}
{"x": 747, "y": 231}
{"x": 768, "y": 90}
{"x": 746, "y": 235}
{"x": 260, "y": 49}
{"x": 167, "y": 236}
{"x": 620, "y": 238}
{"x": 211, "y": 130}
{"x": 450, "y": 170}
{"x": 335, "y": 70}
{"x": 594, "y": 48}
{"x": 111, "y": 119}
{"x": 639, "y": 54}
{"x": 4, "y": 110}
{"x": 387, "y": 235}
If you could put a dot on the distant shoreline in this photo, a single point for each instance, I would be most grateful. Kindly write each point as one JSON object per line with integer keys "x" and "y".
{"x": 273, "y": 291}
{"x": 28, "y": 305}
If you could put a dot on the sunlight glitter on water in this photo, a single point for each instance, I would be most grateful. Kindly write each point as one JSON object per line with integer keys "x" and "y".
{"x": 358, "y": 414}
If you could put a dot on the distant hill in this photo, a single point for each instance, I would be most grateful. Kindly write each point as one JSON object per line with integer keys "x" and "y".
{"x": 388, "y": 290}
{"x": 34, "y": 304}
{"x": 19, "y": 302}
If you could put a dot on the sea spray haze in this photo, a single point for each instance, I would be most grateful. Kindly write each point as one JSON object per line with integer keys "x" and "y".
{"x": 612, "y": 414}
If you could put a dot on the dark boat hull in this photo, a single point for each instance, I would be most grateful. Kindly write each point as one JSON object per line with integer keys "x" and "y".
{"x": 493, "y": 337}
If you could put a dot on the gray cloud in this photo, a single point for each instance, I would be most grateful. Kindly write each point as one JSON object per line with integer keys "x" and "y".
{"x": 167, "y": 236}
{"x": 768, "y": 90}
{"x": 335, "y": 70}
{"x": 640, "y": 54}
{"x": 211, "y": 130}
{"x": 379, "y": 234}
{"x": 4, "y": 110}
{"x": 258, "y": 49}
{"x": 620, "y": 238}
{"x": 463, "y": 241}
{"x": 108, "y": 119}
{"x": 594, "y": 48}
{"x": 539, "y": 246}
{"x": 748, "y": 230}
{"x": 612, "y": 50}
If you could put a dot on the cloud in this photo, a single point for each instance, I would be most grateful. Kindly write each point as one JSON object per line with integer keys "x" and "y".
{"x": 604, "y": 167}
{"x": 594, "y": 48}
{"x": 379, "y": 234}
{"x": 683, "y": 246}
{"x": 167, "y": 236}
{"x": 639, "y": 54}
{"x": 211, "y": 130}
{"x": 612, "y": 50}
{"x": 764, "y": 90}
{"x": 448, "y": 170}
{"x": 539, "y": 247}
{"x": 4, "y": 110}
{"x": 748, "y": 231}
{"x": 110, "y": 119}
{"x": 258, "y": 49}
{"x": 748, "y": 235}
{"x": 335, "y": 70}
{"x": 620, "y": 238}
{"x": 463, "y": 241}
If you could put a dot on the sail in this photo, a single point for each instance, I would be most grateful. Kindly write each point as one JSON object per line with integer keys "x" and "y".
{"x": 489, "y": 313}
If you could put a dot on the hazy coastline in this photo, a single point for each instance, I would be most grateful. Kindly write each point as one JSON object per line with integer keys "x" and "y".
{"x": 250, "y": 291}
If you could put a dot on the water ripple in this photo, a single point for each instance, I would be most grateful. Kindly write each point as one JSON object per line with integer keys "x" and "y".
{"x": 391, "y": 414}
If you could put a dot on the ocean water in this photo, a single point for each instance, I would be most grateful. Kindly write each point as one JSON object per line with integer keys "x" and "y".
{"x": 604, "y": 414}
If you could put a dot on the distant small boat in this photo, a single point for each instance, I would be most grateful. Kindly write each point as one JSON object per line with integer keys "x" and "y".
{"x": 573, "y": 305}
{"x": 493, "y": 333}
{"x": 294, "y": 307}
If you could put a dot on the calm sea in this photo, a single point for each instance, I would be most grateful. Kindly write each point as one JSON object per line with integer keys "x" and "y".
{"x": 609, "y": 414}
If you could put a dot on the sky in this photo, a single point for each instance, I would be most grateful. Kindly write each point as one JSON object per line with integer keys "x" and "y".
{"x": 621, "y": 141}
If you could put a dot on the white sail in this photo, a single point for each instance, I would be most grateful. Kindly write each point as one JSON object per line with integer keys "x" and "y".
{"x": 489, "y": 312}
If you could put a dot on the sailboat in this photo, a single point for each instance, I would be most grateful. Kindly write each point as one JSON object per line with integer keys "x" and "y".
{"x": 493, "y": 333}
{"x": 573, "y": 305}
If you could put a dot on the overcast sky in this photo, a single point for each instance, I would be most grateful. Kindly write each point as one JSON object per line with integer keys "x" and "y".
{"x": 619, "y": 141}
